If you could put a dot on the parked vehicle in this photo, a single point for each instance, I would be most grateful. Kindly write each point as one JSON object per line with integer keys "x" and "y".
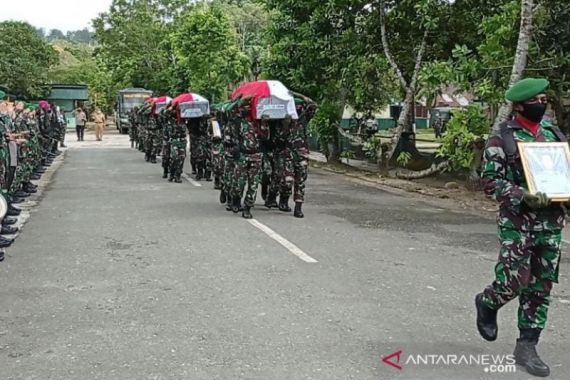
{"x": 127, "y": 99}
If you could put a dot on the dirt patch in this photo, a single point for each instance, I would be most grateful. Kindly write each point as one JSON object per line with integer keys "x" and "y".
{"x": 433, "y": 189}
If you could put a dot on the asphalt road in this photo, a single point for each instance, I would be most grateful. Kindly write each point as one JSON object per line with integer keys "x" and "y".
{"x": 119, "y": 274}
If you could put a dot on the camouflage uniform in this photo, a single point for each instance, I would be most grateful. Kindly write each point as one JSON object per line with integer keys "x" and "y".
{"x": 153, "y": 138}
{"x": 300, "y": 152}
{"x": 248, "y": 167}
{"x": 133, "y": 121}
{"x": 530, "y": 240}
{"x": 178, "y": 142}
{"x": 200, "y": 147}
{"x": 165, "y": 121}
{"x": 282, "y": 175}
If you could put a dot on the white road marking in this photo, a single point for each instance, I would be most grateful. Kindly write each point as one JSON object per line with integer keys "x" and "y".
{"x": 284, "y": 242}
{"x": 187, "y": 178}
{"x": 566, "y": 241}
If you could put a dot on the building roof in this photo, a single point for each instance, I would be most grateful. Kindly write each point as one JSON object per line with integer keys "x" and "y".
{"x": 68, "y": 92}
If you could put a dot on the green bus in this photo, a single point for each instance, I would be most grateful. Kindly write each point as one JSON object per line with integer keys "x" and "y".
{"x": 127, "y": 99}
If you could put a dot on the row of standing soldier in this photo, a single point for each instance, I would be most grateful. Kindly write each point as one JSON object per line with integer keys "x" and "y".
{"x": 29, "y": 143}
{"x": 239, "y": 152}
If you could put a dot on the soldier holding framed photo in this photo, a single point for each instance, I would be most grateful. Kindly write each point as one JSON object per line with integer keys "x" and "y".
{"x": 530, "y": 224}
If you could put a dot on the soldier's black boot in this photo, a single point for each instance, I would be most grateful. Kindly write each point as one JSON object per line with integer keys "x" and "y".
{"x": 223, "y": 197}
{"x": 7, "y": 221}
{"x": 271, "y": 201}
{"x": 200, "y": 174}
{"x": 5, "y": 243}
{"x": 208, "y": 175}
{"x": 217, "y": 183}
{"x": 284, "y": 204}
{"x": 147, "y": 156}
{"x": 486, "y": 319}
{"x": 236, "y": 205}
{"x": 298, "y": 213}
{"x": 264, "y": 187}
{"x": 165, "y": 173}
{"x": 2, "y": 255}
{"x": 8, "y": 230}
{"x": 526, "y": 356}
{"x": 194, "y": 169}
{"x": 177, "y": 179}
{"x": 153, "y": 159}
{"x": 247, "y": 212}
{"x": 228, "y": 203}
{"x": 171, "y": 178}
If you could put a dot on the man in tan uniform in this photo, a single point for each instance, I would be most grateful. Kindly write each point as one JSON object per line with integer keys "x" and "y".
{"x": 99, "y": 119}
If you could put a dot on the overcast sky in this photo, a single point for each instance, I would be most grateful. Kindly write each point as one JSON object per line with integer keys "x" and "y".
{"x": 64, "y": 15}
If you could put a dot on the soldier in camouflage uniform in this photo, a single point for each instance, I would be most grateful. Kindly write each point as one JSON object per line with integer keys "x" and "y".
{"x": 298, "y": 141}
{"x": 282, "y": 174}
{"x": 153, "y": 137}
{"x": 247, "y": 174}
{"x": 230, "y": 153}
{"x": 217, "y": 152}
{"x": 165, "y": 121}
{"x": 200, "y": 148}
{"x": 529, "y": 227}
{"x": 178, "y": 142}
{"x": 133, "y": 121}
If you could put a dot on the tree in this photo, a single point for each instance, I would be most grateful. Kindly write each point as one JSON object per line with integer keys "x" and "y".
{"x": 205, "y": 48}
{"x": 25, "y": 60}
{"x": 55, "y": 34}
{"x": 131, "y": 39}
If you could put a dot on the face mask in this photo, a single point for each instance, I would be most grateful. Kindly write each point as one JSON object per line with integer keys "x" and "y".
{"x": 534, "y": 112}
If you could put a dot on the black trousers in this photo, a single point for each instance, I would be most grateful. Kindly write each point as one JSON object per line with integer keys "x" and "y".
{"x": 80, "y": 129}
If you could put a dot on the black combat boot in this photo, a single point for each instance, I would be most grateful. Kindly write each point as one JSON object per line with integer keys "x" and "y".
{"x": 223, "y": 197}
{"x": 264, "y": 187}
{"x": 147, "y": 156}
{"x": 217, "y": 183}
{"x": 5, "y": 243}
{"x": 271, "y": 201}
{"x": 17, "y": 200}
{"x": 170, "y": 179}
{"x": 247, "y": 212}
{"x": 284, "y": 204}
{"x": 236, "y": 205}
{"x": 153, "y": 159}
{"x": 8, "y": 230}
{"x": 7, "y": 221}
{"x": 486, "y": 319}
{"x": 194, "y": 169}
{"x": 208, "y": 175}
{"x": 2, "y": 255}
{"x": 21, "y": 194}
{"x": 36, "y": 177}
{"x": 177, "y": 179}
{"x": 200, "y": 174}
{"x": 298, "y": 213}
{"x": 228, "y": 203}
{"x": 526, "y": 356}
{"x": 165, "y": 173}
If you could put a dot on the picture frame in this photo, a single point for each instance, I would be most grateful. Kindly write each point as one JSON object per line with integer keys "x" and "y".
{"x": 547, "y": 168}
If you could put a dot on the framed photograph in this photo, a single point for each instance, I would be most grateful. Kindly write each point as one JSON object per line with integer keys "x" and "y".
{"x": 547, "y": 168}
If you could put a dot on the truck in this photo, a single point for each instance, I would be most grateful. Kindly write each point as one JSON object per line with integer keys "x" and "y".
{"x": 127, "y": 99}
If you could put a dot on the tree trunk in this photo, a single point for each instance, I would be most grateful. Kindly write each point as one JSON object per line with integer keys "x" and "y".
{"x": 562, "y": 115}
{"x": 521, "y": 55}
{"x": 434, "y": 169}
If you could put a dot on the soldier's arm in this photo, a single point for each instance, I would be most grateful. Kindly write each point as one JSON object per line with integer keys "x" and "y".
{"x": 494, "y": 176}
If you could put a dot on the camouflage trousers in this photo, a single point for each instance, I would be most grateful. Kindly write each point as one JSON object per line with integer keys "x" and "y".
{"x": 177, "y": 157}
{"x": 203, "y": 154}
{"x": 527, "y": 267}
{"x": 247, "y": 173}
{"x": 166, "y": 149}
{"x": 141, "y": 139}
{"x": 153, "y": 142}
{"x": 283, "y": 176}
{"x": 300, "y": 168}
{"x": 218, "y": 161}
{"x": 133, "y": 134}
{"x": 193, "y": 150}
{"x": 228, "y": 177}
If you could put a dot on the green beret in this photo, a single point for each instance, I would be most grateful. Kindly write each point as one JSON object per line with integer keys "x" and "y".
{"x": 2, "y": 94}
{"x": 526, "y": 89}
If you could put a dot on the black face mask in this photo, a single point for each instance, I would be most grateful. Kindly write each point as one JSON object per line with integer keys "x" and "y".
{"x": 534, "y": 112}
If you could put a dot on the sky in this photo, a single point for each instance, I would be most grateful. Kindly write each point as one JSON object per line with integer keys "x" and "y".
{"x": 64, "y": 15}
